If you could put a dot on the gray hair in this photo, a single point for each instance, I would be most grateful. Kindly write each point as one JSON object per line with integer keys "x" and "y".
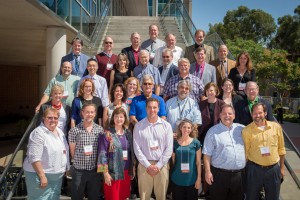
{"x": 185, "y": 82}
{"x": 144, "y": 51}
{"x": 167, "y": 50}
{"x": 147, "y": 77}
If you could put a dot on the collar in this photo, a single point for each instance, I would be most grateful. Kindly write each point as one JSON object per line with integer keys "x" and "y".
{"x": 168, "y": 66}
{"x": 107, "y": 54}
{"x": 198, "y": 45}
{"x": 180, "y": 78}
{"x": 253, "y": 102}
{"x": 139, "y": 49}
{"x": 159, "y": 121}
{"x": 74, "y": 55}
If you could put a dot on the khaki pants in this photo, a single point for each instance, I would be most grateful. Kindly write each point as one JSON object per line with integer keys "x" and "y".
{"x": 147, "y": 182}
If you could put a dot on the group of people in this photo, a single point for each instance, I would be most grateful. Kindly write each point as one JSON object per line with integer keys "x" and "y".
{"x": 145, "y": 120}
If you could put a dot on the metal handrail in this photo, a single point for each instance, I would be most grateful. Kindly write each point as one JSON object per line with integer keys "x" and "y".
{"x": 21, "y": 143}
{"x": 27, "y": 132}
{"x": 100, "y": 22}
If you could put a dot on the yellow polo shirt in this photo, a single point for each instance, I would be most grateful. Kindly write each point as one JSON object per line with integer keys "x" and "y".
{"x": 255, "y": 138}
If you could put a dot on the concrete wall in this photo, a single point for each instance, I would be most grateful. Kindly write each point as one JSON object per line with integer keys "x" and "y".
{"x": 19, "y": 90}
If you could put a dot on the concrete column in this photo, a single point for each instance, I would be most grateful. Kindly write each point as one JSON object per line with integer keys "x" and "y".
{"x": 56, "y": 45}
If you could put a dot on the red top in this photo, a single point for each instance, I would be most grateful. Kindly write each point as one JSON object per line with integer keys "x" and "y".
{"x": 103, "y": 69}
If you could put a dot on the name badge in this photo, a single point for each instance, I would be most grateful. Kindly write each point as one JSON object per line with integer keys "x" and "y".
{"x": 153, "y": 145}
{"x": 185, "y": 167}
{"x": 242, "y": 86}
{"x": 265, "y": 151}
{"x": 125, "y": 155}
{"x": 109, "y": 66}
{"x": 88, "y": 150}
{"x": 66, "y": 94}
{"x": 152, "y": 54}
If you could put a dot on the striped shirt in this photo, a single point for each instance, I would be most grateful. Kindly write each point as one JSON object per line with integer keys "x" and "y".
{"x": 225, "y": 146}
{"x": 158, "y": 134}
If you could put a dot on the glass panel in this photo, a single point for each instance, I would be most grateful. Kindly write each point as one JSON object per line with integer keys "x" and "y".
{"x": 85, "y": 23}
{"x": 75, "y": 15}
{"x": 86, "y": 4}
{"x": 51, "y": 4}
{"x": 63, "y": 10}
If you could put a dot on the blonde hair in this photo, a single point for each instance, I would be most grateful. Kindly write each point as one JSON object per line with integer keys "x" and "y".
{"x": 194, "y": 132}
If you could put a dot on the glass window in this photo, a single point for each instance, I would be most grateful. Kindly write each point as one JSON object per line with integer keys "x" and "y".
{"x": 63, "y": 10}
{"x": 76, "y": 15}
{"x": 85, "y": 23}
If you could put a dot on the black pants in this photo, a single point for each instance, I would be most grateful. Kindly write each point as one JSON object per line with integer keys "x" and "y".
{"x": 184, "y": 192}
{"x": 89, "y": 180}
{"x": 227, "y": 185}
{"x": 266, "y": 177}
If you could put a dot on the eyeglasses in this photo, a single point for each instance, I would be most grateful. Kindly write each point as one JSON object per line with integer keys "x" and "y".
{"x": 132, "y": 84}
{"x": 52, "y": 118}
{"x": 166, "y": 56}
{"x": 108, "y": 42}
{"x": 147, "y": 83}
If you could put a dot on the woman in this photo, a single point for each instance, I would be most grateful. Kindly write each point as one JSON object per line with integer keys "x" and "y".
{"x": 228, "y": 95}
{"x": 47, "y": 158}
{"x": 85, "y": 95}
{"x": 242, "y": 73}
{"x": 114, "y": 146}
{"x": 186, "y": 176}
{"x": 210, "y": 109}
{"x": 118, "y": 97}
{"x": 56, "y": 96}
{"x": 120, "y": 72}
{"x": 132, "y": 86}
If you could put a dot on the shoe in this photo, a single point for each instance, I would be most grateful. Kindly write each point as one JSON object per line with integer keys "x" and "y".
{"x": 132, "y": 196}
{"x": 203, "y": 195}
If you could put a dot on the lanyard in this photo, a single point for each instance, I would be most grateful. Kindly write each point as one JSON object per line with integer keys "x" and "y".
{"x": 181, "y": 147}
{"x": 181, "y": 110}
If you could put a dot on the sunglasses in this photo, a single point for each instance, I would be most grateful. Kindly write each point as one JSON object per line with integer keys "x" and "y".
{"x": 166, "y": 56}
{"x": 147, "y": 83}
{"x": 108, "y": 42}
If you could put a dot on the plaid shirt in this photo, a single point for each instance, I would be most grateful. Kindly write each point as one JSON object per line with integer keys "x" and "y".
{"x": 81, "y": 137}
{"x": 170, "y": 89}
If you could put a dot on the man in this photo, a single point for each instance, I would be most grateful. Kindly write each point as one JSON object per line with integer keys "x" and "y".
{"x": 99, "y": 81}
{"x": 106, "y": 59}
{"x": 67, "y": 80}
{"x": 243, "y": 107}
{"x": 223, "y": 64}
{"x": 77, "y": 59}
{"x": 224, "y": 157}
{"x": 201, "y": 69}
{"x": 146, "y": 68}
{"x": 265, "y": 152}
{"x": 170, "y": 44}
{"x": 133, "y": 51}
{"x": 152, "y": 44}
{"x": 83, "y": 141}
{"x": 182, "y": 106}
{"x": 170, "y": 88}
{"x": 199, "y": 38}
{"x": 138, "y": 105}
{"x": 168, "y": 69}
{"x": 153, "y": 146}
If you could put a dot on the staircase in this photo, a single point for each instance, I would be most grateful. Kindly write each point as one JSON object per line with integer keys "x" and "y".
{"x": 121, "y": 27}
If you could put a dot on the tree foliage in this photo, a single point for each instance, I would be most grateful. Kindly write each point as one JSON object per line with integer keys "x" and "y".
{"x": 288, "y": 33}
{"x": 273, "y": 70}
{"x": 247, "y": 24}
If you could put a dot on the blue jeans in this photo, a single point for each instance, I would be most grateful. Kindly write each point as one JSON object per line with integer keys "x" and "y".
{"x": 51, "y": 192}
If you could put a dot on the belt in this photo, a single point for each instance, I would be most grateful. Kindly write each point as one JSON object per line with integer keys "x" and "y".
{"x": 228, "y": 170}
{"x": 261, "y": 166}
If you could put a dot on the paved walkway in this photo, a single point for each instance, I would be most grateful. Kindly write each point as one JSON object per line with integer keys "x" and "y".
{"x": 289, "y": 189}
